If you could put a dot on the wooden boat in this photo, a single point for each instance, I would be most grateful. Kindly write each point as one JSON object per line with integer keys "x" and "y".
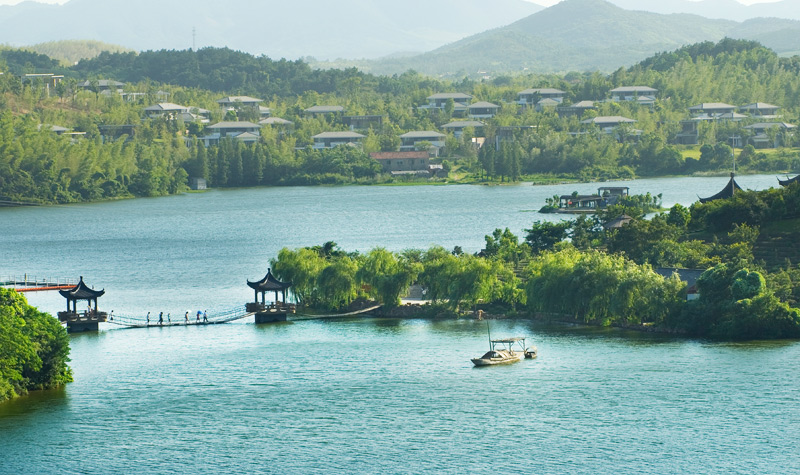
{"x": 505, "y": 351}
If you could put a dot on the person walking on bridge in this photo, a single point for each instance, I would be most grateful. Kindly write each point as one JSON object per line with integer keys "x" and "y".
{"x": 186, "y": 317}
{"x": 161, "y": 318}
{"x": 205, "y": 316}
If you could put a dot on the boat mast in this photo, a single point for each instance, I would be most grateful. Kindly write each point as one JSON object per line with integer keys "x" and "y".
{"x": 488, "y": 330}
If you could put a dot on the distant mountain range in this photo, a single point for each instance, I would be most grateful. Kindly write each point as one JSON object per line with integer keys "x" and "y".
{"x": 438, "y": 37}
{"x": 291, "y": 29}
{"x": 725, "y": 9}
{"x": 579, "y": 35}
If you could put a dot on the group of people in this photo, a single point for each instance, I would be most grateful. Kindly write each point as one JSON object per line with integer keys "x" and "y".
{"x": 204, "y": 314}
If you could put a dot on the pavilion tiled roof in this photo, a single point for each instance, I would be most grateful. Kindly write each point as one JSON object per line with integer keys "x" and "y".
{"x": 81, "y": 292}
{"x": 730, "y": 189}
{"x": 269, "y": 283}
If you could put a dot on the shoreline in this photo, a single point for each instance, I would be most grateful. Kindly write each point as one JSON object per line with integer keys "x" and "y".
{"x": 530, "y": 180}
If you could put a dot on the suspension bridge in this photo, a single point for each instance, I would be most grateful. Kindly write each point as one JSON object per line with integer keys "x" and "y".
{"x": 89, "y": 320}
{"x": 214, "y": 318}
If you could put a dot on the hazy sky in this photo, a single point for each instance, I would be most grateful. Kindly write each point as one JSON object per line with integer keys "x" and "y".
{"x": 546, "y": 3}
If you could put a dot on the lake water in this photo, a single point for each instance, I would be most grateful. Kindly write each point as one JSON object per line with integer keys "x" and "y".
{"x": 366, "y": 395}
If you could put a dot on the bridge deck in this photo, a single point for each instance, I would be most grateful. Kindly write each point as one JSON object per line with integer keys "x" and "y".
{"x": 217, "y": 318}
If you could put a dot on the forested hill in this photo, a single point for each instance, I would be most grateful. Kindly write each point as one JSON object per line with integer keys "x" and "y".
{"x": 218, "y": 70}
{"x": 581, "y": 35}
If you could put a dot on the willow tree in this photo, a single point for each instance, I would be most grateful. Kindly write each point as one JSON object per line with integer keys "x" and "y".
{"x": 387, "y": 275}
{"x": 302, "y": 268}
{"x": 337, "y": 283}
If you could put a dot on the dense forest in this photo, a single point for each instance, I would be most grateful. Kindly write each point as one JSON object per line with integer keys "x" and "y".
{"x": 34, "y": 348}
{"x": 159, "y": 155}
{"x": 579, "y": 270}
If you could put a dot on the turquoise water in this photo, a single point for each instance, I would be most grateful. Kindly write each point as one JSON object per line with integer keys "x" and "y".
{"x": 366, "y": 395}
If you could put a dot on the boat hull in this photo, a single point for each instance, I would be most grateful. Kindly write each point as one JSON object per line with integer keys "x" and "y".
{"x": 497, "y": 361}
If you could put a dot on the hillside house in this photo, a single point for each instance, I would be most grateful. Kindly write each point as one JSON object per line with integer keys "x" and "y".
{"x": 760, "y": 109}
{"x": 547, "y": 104}
{"x": 48, "y": 81}
{"x": 689, "y": 134}
{"x": 324, "y": 111}
{"x": 166, "y": 109}
{"x": 282, "y": 125}
{"x": 689, "y": 276}
{"x": 363, "y": 122}
{"x": 608, "y": 123}
{"x": 264, "y": 112}
{"x": 56, "y": 129}
{"x": 276, "y": 121}
{"x": 482, "y": 110}
{"x": 633, "y": 93}
{"x": 410, "y": 140}
{"x": 438, "y": 102}
{"x": 533, "y": 97}
{"x": 103, "y": 85}
{"x": 577, "y": 109}
{"x": 769, "y": 134}
{"x": 231, "y": 103}
{"x": 243, "y": 131}
{"x": 712, "y": 109}
{"x": 457, "y": 127}
{"x": 411, "y": 161}
{"x": 336, "y": 139}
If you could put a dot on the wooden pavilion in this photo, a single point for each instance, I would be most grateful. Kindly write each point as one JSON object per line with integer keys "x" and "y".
{"x": 82, "y": 321}
{"x": 279, "y": 308}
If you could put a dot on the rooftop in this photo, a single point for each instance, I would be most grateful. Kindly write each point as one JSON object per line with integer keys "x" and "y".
{"x": 324, "y": 109}
{"x": 634, "y": 89}
{"x": 460, "y": 124}
{"x": 234, "y": 125}
{"x": 338, "y": 135}
{"x": 612, "y": 119}
{"x": 275, "y": 121}
{"x": 421, "y": 134}
{"x": 450, "y": 95}
{"x": 166, "y": 107}
{"x": 234, "y": 99}
{"x": 544, "y": 90}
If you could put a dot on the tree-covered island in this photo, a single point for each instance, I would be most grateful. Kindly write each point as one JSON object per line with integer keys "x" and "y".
{"x": 149, "y": 124}
{"x": 593, "y": 270}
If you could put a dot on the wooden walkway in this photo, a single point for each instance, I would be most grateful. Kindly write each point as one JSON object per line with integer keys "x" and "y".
{"x": 32, "y": 283}
{"x": 339, "y": 315}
